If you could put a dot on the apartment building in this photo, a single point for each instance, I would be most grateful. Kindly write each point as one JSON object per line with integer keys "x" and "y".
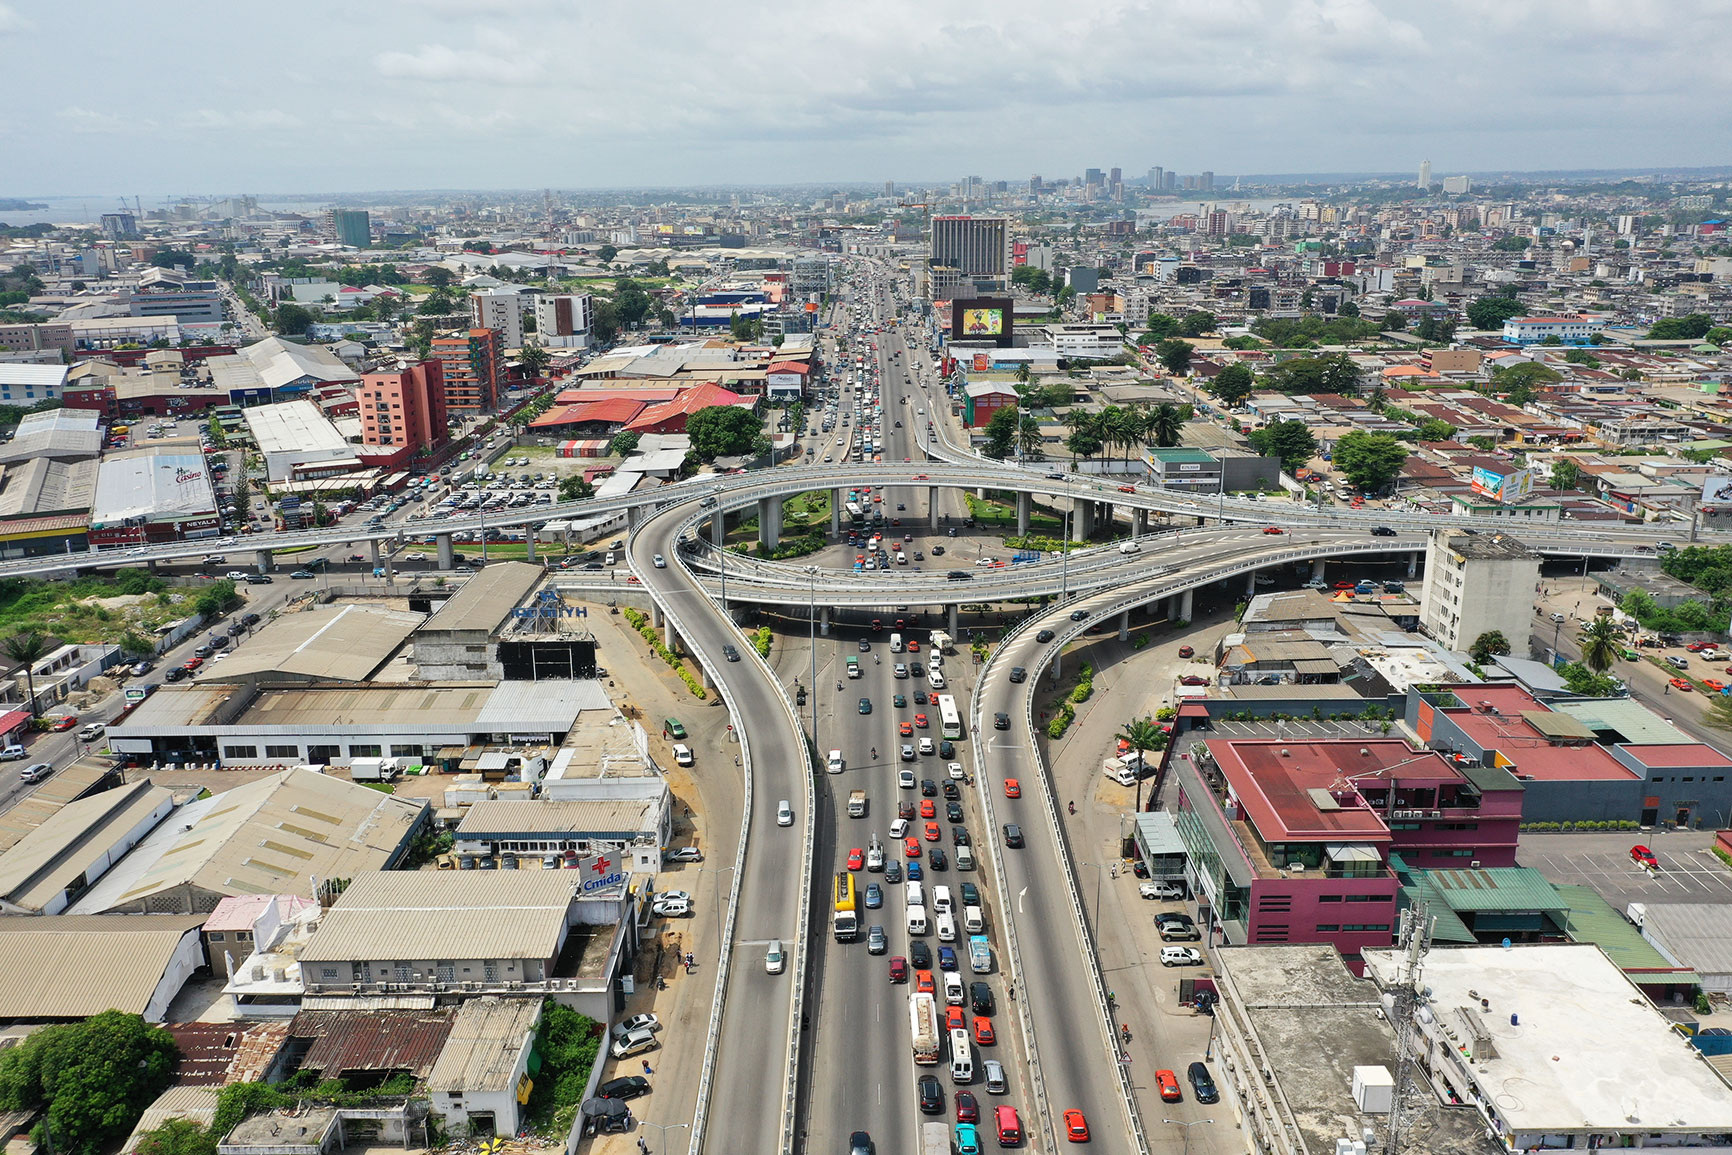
{"x": 1475, "y": 582}
{"x": 564, "y": 320}
{"x": 500, "y": 309}
{"x": 404, "y": 407}
{"x": 473, "y": 369}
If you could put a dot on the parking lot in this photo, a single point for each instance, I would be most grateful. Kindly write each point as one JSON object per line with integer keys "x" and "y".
{"x": 1689, "y": 871}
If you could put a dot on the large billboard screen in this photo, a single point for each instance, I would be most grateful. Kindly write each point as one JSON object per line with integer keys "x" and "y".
{"x": 1717, "y": 489}
{"x": 983, "y": 322}
{"x": 1516, "y": 485}
{"x": 982, "y": 319}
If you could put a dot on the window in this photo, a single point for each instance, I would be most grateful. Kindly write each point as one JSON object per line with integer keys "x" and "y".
{"x": 1329, "y": 898}
{"x": 216, "y": 936}
{"x": 364, "y": 750}
{"x": 1328, "y": 927}
{"x": 1365, "y": 926}
{"x": 323, "y": 755}
{"x": 240, "y": 751}
{"x": 328, "y": 974}
{"x": 282, "y": 751}
{"x": 400, "y": 751}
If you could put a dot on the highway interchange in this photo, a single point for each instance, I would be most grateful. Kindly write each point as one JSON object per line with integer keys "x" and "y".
{"x": 768, "y": 1084}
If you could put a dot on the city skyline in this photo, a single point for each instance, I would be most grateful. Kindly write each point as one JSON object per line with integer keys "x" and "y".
{"x": 413, "y": 95}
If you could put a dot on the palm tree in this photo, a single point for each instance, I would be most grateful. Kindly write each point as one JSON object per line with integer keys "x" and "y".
{"x": 1029, "y": 439}
{"x": 1165, "y": 425}
{"x": 1599, "y": 643}
{"x": 1142, "y": 735}
{"x": 1127, "y": 425}
{"x": 26, "y": 649}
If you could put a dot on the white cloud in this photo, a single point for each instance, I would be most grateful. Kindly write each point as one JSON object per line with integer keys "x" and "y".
{"x": 11, "y": 22}
{"x": 438, "y": 62}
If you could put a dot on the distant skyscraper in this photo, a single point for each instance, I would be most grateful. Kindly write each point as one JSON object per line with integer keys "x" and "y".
{"x": 349, "y": 227}
{"x": 889, "y": 188}
{"x": 1157, "y": 178}
{"x": 1034, "y": 183}
{"x": 1457, "y": 184}
{"x": 1092, "y": 176}
{"x": 1206, "y": 181}
{"x": 1425, "y": 175}
{"x": 976, "y": 248}
{"x": 120, "y": 226}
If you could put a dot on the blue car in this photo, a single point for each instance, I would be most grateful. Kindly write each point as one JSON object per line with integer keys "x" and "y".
{"x": 946, "y": 958}
{"x": 914, "y": 870}
{"x": 865, "y": 705}
{"x": 874, "y": 897}
{"x": 967, "y": 1139}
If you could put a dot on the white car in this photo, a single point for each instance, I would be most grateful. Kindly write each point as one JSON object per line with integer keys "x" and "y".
{"x": 905, "y": 779}
{"x": 775, "y": 957}
{"x": 665, "y": 907}
{"x": 683, "y": 854}
{"x": 784, "y": 813}
{"x": 683, "y": 754}
{"x": 1181, "y": 956}
{"x": 875, "y": 857}
{"x": 634, "y": 1043}
{"x": 954, "y": 769}
{"x": 926, "y": 746}
{"x": 661, "y": 562}
{"x": 953, "y": 988}
{"x": 645, "y": 1022}
{"x": 899, "y": 828}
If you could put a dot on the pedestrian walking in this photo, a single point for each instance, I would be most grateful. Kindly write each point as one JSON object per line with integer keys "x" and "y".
{"x": 641, "y": 1145}
{"x": 646, "y": 1068}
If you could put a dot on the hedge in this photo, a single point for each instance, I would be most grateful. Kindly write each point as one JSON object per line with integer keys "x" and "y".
{"x": 641, "y": 623}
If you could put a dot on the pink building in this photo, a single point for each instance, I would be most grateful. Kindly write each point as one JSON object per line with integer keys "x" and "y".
{"x": 1292, "y": 841}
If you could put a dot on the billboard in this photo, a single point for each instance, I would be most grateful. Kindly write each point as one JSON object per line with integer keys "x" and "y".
{"x": 982, "y": 322}
{"x": 1516, "y": 485}
{"x": 982, "y": 319}
{"x": 1717, "y": 489}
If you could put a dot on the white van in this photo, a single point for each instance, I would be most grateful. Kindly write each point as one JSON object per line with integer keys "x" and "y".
{"x": 1129, "y": 547}
{"x": 961, "y": 1058}
{"x": 973, "y": 920}
{"x": 1119, "y": 772}
{"x": 935, "y": 678}
{"x": 896, "y": 643}
{"x": 941, "y": 899}
{"x": 946, "y": 927}
{"x": 965, "y": 857}
{"x": 917, "y": 920}
{"x": 834, "y": 762}
{"x": 916, "y": 895}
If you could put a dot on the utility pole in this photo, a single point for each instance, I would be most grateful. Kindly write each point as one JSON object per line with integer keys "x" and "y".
{"x": 1416, "y": 940}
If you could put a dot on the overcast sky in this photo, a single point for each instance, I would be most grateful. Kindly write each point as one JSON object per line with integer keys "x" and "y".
{"x": 195, "y": 96}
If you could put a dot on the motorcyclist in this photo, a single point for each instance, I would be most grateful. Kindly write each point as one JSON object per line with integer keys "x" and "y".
{"x": 1072, "y": 806}
{"x": 874, "y": 753}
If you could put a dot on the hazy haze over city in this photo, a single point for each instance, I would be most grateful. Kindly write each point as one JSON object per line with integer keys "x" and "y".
{"x": 488, "y": 94}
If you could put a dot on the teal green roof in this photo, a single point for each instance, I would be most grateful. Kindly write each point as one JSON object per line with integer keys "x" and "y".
{"x": 1594, "y": 920}
{"x": 1445, "y": 926}
{"x": 1496, "y": 890}
{"x": 1180, "y": 455}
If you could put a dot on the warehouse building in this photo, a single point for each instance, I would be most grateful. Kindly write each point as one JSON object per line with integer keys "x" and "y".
{"x": 299, "y": 442}
{"x": 152, "y": 496}
{"x": 67, "y": 968}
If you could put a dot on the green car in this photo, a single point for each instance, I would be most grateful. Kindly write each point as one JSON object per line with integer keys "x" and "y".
{"x": 671, "y": 728}
{"x": 865, "y": 705}
{"x": 900, "y": 701}
{"x": 1630, "y": 655}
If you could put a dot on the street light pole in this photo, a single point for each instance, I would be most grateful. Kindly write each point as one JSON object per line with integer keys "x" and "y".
{"x": 812, "y": 637}
{"x": 1098, "y": 867}
{"x": 1187, "y": 1127}
{"x": 718, "y": 871}
{"x": 1064, "y": 562}
{"x": 664, "y": 1128}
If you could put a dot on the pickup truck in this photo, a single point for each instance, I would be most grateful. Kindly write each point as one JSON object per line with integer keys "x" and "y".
{"x": 857, "y": 804}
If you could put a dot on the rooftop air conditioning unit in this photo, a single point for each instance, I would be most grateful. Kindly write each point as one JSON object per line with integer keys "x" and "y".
{"x": 1297, "y": 867}
{"x": 1474, "y": 865}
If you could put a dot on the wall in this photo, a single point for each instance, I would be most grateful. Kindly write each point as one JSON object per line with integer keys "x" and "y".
{"x": 188, "y": 956}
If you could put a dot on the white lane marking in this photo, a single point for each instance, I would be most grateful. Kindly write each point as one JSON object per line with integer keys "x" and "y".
{"x": 1020, "y": 895}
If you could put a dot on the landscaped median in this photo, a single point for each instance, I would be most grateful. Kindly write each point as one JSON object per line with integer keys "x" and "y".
{"x": 641, "y": 623}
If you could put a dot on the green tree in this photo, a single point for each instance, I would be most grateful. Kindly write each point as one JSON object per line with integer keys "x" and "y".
{"x": 1196, "y": 324}
{"x": 1142, "y": 735}
{"x": 177, "y": 1137}
{"x": 723, "y": 431}
{"x": 1233, "y": 385}
{"x": 575, "y": 487}
{"x": 1341, "y": 375}
{"x": 623, "y": 443}
{"x": 1578, "y": 679}
{"x": 1160, "y": 325}
{"x": 1348, "y": 309}
{"x": 293, "y": 320}
{"x": 1581, "y": 357}
{"x": 1001, "y": 433}
{"x": 1482, "y": 442}
{"x": 1029, "y": 439}
{"x": 1488, "y": 644}
{"x": 1529, "y": 373}
{"x": 1718, "y": 335}
{"x": 630, "y": 302}
{"x": 1369, "y": 460}
{"x": 1600, "y": 643}
{"x": 1086, "y": 438}
{"x": 216, "y": 598}
{"x": 1292, "y": 442}
{"x": 1174, "y": 355}
{"x": 1511, "y": 244}
{"x": 604, "y": 321}
{"x": 439, "y": 277}
{"x": 173, "y": 258}
{"x": 1435, "y": 429}
{"x": 95, "y": 1078}
{"x": 438, "y": 303}
{"x": 26, "y": 648}
{"x": 1165, "y": 425}
{"x": 606, "y": 254}
{"x": 534, "y": 358}
{"x": 1688, "y": 328}
{"x": 1492, "y": 312}
{"x": 1566, "y": 474}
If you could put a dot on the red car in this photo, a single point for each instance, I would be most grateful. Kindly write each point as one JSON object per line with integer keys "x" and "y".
{"x": 1012, "y": 788}
{"x": 955, "y": 1019}
{"x": 967, "y": 1110}
{"x": 1076, "y": 1128}
{"x": 1645, "y": 857}
{"x": 1193, "y": 680}
{"x": 65, "y": 722}
{"x": 983, "y": 1036}
{"x": 192, "y": 663}
{"x": 920, "y": 721}
{"x": 856, "y": 858}
{"x": 1186, "y": 652}
{"x": 898, "y": 969}
{"x": 906, "y": 729}
{"x": 1714, "y": 684}
{"x": 911, "y": 847}
{"x": 1681, "y": 684}
{"x": 1698, "y": 647}
{"x": 913, "y": 646}
{"x": 928, "y": 808}
{"x": 1127, "y": 489}
{"x": 1169, "y": 1085}
{"x": 932, "y": 832}
{"x": 1273, "y": 529}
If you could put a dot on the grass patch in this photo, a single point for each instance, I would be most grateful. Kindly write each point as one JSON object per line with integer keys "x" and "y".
{"x": 70, "y": 610}
{"x": 997, "y": 514}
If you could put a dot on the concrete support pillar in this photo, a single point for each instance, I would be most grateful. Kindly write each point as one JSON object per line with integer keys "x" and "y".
{"x": 1024, "y": 507}
{"x": 932, "y": 506}
{"x": 656, "y": 617}
{"x": 1185, "y": 606}
{"x": 1109, "y": 515}
{"x": 633, "y": 515}
{"x": 980, "y": 492}
{"x": 447, "y": 556}
{"x": 372, "y": 545}
{"x": 1057, "y": 667}
{"x": 1413, "y": 564}
{"x": 950, "y": 619}
{"x": 1124, "y": 625}
{"x": 718, "y": 527}
{"x": 1317, "y": 570}
{"x": 709, "y": 678}
{"x": 529, "y": 543}
{"x": 824, "y": 620}
{"x": 262, "y": 559}
{"x": 670, "y": 636}
{"x": 835, "y": 513}
{"x": 1085, "y": 520}
{"x": 1251, "y": 584}
{"x": 1139, "y": 522}
{"x": 770, "y": 522}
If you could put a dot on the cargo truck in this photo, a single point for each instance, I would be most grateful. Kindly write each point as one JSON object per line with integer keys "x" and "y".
{"x": 923, "y": 1021}
{"x": 941, "y": 642}
{"x": 845, "y": 922}
{"x": 934, "y": 1139}
{"x": 856, "y": 803}
{"x": 979, "y": 954}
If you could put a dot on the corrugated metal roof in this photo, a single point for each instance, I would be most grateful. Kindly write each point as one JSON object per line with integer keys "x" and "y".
{"x": 330, "y": 643}
{"x": 75, "y": 841}
{"x": 538, "y": 707}
{"x": 198, "y": 1103}
{"x": 1496, "y": 889}
{"x": 598, "y": 818}
{"x": 206, "y": 1051}
{"x": 74, "y": 966}
{"x": 485, "y": 1042}
{"x": 61, "y": 788}
{"x": 1697, "y": 934}
{"x": 1594, "y": 920}
{"x": 447, "y": 914}
{"x": 372, "y": 1040}
{"x": 486, "y": 599}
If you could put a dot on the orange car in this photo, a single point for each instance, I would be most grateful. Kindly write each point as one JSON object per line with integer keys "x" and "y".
{"x": 1681, "y": 684}
{"x": 920, "y": 721}
{"x": 1012, "y": 788}
{"x": 1714, "y": 684}
{"x": 983, "y": 1035}
{"x": 932, "y": 832}
{"x": 906, "y": 729}
{"x": 955, "y": 1019}
{"x": 923, "y": 986}
{"x": 928, "y": 808}
{"x": 1165, "y": 1080}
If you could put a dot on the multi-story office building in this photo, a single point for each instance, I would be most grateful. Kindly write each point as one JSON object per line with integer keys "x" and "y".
{"x": 120, "y": 226}
{"x": 404, "y": 407}
{"x": 350, "y": 227}
{"x": 473, "y": 368}
{"x": 30, "y": 338}
{"x": 500, "y": 309}
{"x": 564, "y": 320}
{"x": 1424, "y": 175}
{"x": 188, "y": 307}
{"x": 975, "y": 249}
{"x": 1477, "y": 582}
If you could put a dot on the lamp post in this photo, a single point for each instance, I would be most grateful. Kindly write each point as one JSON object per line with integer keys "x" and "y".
{"x": 718, "y": 871}
{"x": 1187, "y": 1127}
{"x": 664, "y": 1128}
{"x": 1098, "y": 867}
{"x": 812, "y": 637}
{"x": 722, "y": 525}
{"x": 1064, "y": 558}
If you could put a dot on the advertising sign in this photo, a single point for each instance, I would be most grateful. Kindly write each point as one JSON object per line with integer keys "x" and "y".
{"x": 1717, "y": 489}
{"x": 1516, "y": 485}
{"x": 982, "y": 362}
{"x": 602, "y": 873}
{"x": 982, "y": 322}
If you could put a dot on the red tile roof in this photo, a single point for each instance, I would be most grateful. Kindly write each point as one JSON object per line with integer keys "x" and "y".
{"x": 1273, "y": 780}
{"x": 700, "y": 397}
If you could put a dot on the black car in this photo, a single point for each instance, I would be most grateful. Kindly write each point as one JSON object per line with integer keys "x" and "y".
{"x": 953, "y": 811}
{"x": 980, "y": 998}
{"x": 920, "y": 697}
{"x": 928, "y": 788}
{"x": 730, "y": 653}
{"x": 919, "y": 955}
{"x": 865, "y": 646}
{"x": 859, "y": 1143}
{"x": 176, "y": 674}
{"x": 624, "y": 1087}
{"x": 931, "y": 1095}
{"x": 958, "y": 575}
{"x": 1382, "y": 531}
{"x": 1044, "y": 636}
{"x": 1202, "y": 1083}
{"x": 1012, "y": 835}
{"x": 1001, "y": 721}
{"x": 1018, "y": 674}
{"x": 935, "y": 859}
{"x": 952, "y": 792}
{"x": 970, "y": 894}
{"x": 959, "y": 836}
{"x": 1078, "y": 615}
{"x": 937, "y": 551}
{"x": 947, "y": 749}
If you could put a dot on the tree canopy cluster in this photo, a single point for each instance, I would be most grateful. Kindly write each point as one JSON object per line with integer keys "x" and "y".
{"x": 95, "y": 1078}
{"x": 1313, "y": 329}
{"x": 1370, "y": 461}
{"x": 725, "y": 431}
